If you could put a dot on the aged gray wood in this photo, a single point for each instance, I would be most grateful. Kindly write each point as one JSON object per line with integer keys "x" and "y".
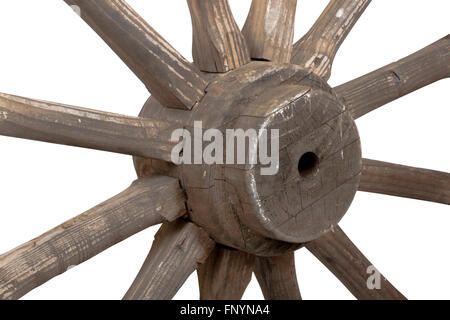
{"x": 336, "y": 251}
{"x": 273, "y": 214}
{"x": 316, "y": 50}
{"x": 218, "y": 197}
{"x": 67, "y": 125}
{"x": 146, "y": 202}
{"x": 400, "y": 78}
{"x": 179, "y": 247}
{"x": 225, "y": 275}
{"x": 209, "y": 206}
{"x": 403, "y": 181}
{"x": 168, "y": 76}
{"x": 269, "y": 30}
{"x": 277, "y": 277}
{"x": 218, "y": 45}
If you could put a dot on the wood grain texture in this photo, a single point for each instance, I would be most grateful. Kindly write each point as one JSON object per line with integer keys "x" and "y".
{"x": 294, "y": 206}
{"x": 225, "y": 275}
{"x": 269, "y": 30}
{"x": 277, "y": 277}
{"x": 400, "y": 78}
{"x": 67, "y": 125}
{"x": 274, "y": 214}
{"x": 218, "y": 44}
{"x": 316, "y": 50}
{"x": 178, "y": 249}
{"x": 174, "y": 81}
{"x": 145, "y": 203}
{"x": 336, "y": 251}
{"x": 403, "y": 181}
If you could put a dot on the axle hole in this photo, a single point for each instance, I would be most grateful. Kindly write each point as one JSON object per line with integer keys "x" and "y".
{"x": 308, "y": 164}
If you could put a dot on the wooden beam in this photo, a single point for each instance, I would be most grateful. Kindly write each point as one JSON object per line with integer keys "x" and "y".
{"x": 57, "y": 123}
{"x": 146, "y": 202}
{"x": 396, "y": 80}
{"x": 225, "y": 275}
{"x": 269, "y": 30}
{"x": 277, "y": 277}
{"x": 178, "y": 249}
{"x": 402, "y": 181}
{"x": 316, "y": 50}
{"x": 174, "y": 81}
{"x": 218, "y": 45}
{"x": 336, "y": 251}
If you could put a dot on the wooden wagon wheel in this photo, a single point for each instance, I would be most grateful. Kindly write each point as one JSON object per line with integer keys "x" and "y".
{"x": 227, "y": 221}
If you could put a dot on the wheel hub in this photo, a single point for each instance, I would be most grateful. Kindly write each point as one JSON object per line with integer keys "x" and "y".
{"x": 318, "y": 165}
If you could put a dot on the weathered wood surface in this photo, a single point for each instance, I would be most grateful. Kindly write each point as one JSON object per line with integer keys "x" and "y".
{"x": 269, "y": 30}
{"x": 67, "y": 125}
{"x": 178, "y": 249}
{"x": 400, "y": 78}
{"x": 145, "y": 203}
{"x": 403, "y": 181}
{"x": 218, "y": 44}
{"x": 168, "y": 76}
{"x": 316, "y": 50}
{"x": 298, "y": 205}
{"x": 274, "y": 214}
{"x": 336, "y": 251}
{"x": 235, "y": 205}
{"x": 225, "y": 275}
{"x": 277, "y": 277}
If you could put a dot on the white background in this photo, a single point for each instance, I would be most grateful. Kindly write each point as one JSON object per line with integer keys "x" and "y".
{"x": 47, "y": 52}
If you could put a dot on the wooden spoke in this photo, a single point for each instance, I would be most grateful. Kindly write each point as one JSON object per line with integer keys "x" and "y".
{"x": 62, "y": 124}
{"x": 146, "y": 202}
{"x": 168, "y": 76}
{"x": 218, "y": 44}
{"x": 277, "y": 277}
{"x": 387, "y": 84}
{"x": 403, "y": 181}
{"x": 178, "y": 249}
{"x": 317, "y": 49}
{"x": 269, "y": 30}
{"x": 225, "y": 275}
{"x": 336, "y": 251}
